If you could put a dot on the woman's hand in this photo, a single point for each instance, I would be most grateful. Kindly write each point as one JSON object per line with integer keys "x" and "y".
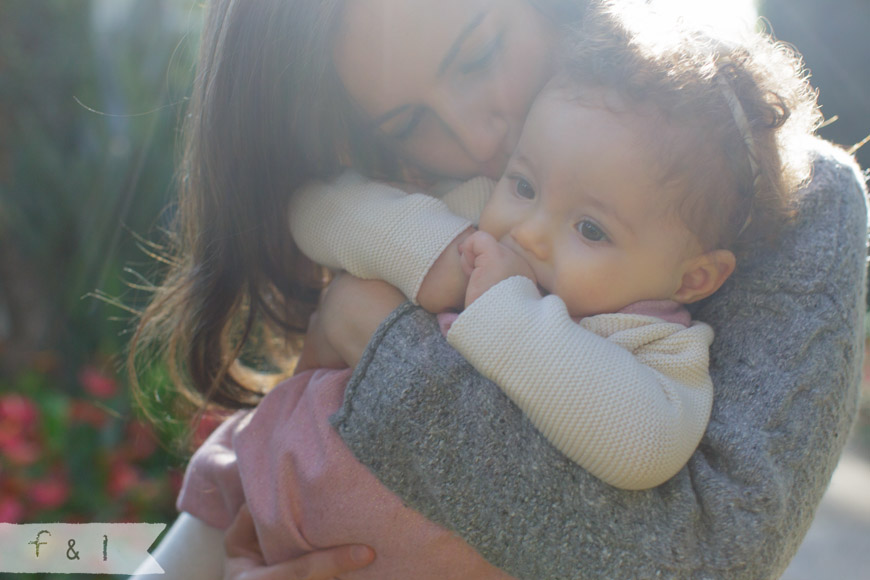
{"x": 317, "y": 352}
{"x": 487, "y": 262}
{"x": 244, "y": 560}
{"x": 349, "y": 314}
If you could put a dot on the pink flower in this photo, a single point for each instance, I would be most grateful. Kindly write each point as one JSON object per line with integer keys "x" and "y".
{"x": 20, "y": 452}
{"x": 97, "y": 384}
{"x": 50, "y": 493}
{"x": 122, "y": 478}
{"x": 18, "y": 410}
{"x": 11, "y": 510}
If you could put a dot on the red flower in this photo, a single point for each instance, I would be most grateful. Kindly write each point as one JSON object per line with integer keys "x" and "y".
{"x": 50, "y": 493}
{"x": 97, "y": 384}
{"x": 18, "y": 410}
{"x": 11, "y": 510}
{"x": 122, "y": 477}
{"x": 20, "y": 452}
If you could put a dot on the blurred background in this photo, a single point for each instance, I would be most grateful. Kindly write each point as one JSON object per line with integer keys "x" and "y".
{"x": 91, "y": 93}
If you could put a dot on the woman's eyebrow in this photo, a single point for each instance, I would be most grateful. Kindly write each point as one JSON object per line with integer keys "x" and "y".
{"x": 454, "y": 49}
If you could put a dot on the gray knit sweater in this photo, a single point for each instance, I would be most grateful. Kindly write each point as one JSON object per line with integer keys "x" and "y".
{"x": 785, "y": 364}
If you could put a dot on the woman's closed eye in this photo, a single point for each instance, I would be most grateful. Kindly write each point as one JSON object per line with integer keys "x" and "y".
{"x": 481, "y": 61}
{"x": 591, "y": 231}
{"x": 406, "y": 130}
{"x": 485, "y": 57}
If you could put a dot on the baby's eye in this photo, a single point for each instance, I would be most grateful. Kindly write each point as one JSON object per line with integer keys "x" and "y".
{"x": 591, "y": 231}
{"x": 524, "y": 189}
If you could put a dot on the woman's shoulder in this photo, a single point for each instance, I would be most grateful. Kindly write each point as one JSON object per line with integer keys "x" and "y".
{"x": 835, "y": 173}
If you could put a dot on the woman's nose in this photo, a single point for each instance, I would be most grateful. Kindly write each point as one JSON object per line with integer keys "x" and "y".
{"x": 480, "y": 129}
{"x": 483, "y": 138}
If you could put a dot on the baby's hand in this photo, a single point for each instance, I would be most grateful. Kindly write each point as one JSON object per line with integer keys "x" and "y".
{"x": 487, "y": 262}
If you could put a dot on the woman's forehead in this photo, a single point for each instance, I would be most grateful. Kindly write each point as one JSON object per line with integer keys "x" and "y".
{"x": 389, "y": 52}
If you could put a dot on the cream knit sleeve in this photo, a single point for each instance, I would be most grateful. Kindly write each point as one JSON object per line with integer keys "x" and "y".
{"x": 376, "y": 231}
{"x": 627, "y": 397}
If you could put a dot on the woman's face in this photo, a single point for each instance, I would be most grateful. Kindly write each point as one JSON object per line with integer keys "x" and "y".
{"x": 448, "y": 83}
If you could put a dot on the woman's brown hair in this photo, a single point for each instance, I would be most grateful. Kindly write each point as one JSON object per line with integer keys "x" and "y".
{"x": 265, "y": 117}
{"x": 267, "y": 114}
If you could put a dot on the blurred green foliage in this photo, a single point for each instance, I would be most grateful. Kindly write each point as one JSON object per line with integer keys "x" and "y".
{"x": 90, "y": 97}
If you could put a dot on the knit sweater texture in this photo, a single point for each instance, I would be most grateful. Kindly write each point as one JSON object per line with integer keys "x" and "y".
{"x": 786, "y": 366}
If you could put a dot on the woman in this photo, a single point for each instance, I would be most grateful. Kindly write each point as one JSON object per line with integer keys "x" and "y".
{"x": 445, "y": 86}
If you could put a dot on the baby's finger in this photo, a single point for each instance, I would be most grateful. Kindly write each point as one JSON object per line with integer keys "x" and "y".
{"x": 466, "y": 259}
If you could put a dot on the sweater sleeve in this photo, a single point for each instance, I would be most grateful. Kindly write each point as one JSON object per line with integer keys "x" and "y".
{"x": 625, "y": 396}
{"x": 786, "y": 365}
{"x": 375, "y": 231}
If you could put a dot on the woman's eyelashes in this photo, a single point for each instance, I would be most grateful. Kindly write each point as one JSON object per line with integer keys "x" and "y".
{"x": 480, "y": 62}
{"x": 406, "y": 130}
{"x": 485, "y": 57}
{"x": 591, "y": 231}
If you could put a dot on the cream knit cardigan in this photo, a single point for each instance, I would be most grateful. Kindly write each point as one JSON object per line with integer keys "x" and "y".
{"x": 625, "y": 396}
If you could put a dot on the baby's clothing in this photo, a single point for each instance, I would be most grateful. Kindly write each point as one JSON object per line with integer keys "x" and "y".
{"x": 306, "y": 491}
{"x": 634, "y": 426}
{"x": 370, "y": 223}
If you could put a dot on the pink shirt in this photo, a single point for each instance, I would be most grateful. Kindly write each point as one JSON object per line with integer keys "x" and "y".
{"x": 306, "y": 491}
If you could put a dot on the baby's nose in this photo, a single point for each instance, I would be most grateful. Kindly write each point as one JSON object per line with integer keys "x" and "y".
{"x": 532, "y": 235}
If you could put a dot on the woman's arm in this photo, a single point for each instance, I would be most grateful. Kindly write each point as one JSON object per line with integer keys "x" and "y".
{"x": 786, "y": 365}
{"x": 190, "y": 550}
{"x": 193, "y": 550}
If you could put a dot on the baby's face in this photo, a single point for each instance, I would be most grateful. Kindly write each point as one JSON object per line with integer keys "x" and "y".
{"x": 580, "y": 200}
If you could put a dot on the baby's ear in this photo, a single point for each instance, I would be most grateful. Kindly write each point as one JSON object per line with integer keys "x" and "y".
{"x": 704, "y": 275}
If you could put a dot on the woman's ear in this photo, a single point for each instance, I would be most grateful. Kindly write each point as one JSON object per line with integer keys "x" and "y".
{"x": 704, "y": 275}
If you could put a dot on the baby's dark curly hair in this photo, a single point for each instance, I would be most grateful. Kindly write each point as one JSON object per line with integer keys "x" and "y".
{"x": 737, "y": 178}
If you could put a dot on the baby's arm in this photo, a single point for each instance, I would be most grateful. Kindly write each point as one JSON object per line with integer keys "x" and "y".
{"x": 626, "y": 397}
{"x": 375, "y": 231}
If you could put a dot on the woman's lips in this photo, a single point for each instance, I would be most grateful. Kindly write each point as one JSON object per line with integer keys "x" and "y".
{"x": 494, "y": 167}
